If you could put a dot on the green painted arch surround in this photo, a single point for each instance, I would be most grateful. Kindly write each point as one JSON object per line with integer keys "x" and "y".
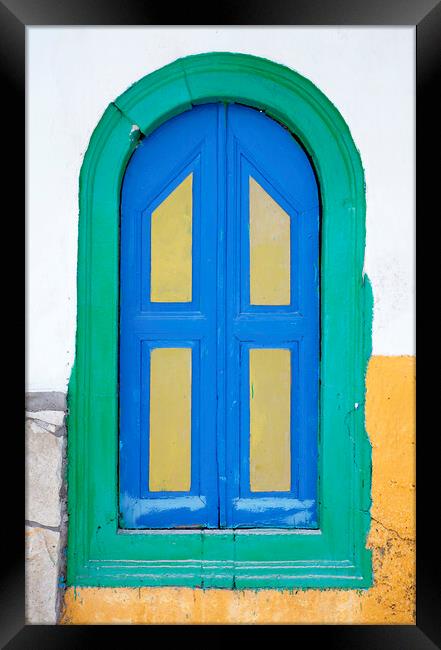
{"x": 99, "y": 553}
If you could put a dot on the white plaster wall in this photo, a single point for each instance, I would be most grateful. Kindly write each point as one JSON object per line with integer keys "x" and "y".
{"x": 74, "y": 73}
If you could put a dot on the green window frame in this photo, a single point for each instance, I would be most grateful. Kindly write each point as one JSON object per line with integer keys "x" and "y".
{"x": 101, "y": 554}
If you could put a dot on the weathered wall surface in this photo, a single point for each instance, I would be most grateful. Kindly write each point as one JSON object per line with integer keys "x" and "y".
{"x": 46, "y": 518}
{"x": 367, "y": 73}
{"x": 390, "y": 416}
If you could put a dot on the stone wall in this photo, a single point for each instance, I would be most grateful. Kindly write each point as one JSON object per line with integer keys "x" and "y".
{"x": 46, "y": 518}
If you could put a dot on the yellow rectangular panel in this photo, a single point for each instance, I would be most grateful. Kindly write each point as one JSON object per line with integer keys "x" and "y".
{"x": 171, "y": 246}
{"x": 270, "y": 420}
{"x": 170, "y": 420}
{"x": 270, "y": 257}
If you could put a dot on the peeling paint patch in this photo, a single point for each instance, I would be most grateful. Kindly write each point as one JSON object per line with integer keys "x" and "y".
{"x": 135, "y": 133}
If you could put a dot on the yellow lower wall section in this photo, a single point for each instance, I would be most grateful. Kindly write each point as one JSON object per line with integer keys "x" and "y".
{"x": 390, "y": 422}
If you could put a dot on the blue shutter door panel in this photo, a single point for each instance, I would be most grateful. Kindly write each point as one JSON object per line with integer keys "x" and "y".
{"x": 259, "y": 147}
{"x": 185, "y": 144}
{"x": 241, "y": 420}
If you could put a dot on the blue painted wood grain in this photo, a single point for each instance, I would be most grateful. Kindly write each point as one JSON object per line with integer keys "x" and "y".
{"x": 185, "y": 144}
{"x": 260, "y": 147}
{"x": 223, "y": 145}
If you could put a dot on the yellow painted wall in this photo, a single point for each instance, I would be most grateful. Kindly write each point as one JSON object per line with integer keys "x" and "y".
{"x": 390, "y": 422}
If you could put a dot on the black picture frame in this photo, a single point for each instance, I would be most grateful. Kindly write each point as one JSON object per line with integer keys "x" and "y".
{"x": 15, "y": 16}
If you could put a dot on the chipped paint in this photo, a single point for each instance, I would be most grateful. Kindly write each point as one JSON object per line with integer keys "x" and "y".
{"x": 390, "y": 421}
{"x": 135, "y": 133}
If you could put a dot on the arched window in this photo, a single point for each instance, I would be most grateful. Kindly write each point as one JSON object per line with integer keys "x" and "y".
{"x": 222, "y": 337}
{"x": 219, "y": 339}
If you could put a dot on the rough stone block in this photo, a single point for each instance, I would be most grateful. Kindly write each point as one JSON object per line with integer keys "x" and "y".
{"x": 41, "y": 574}
{"x": 43, "y": 475}
{"x": 56, "y": 418}
{"x": 49, "y": 401}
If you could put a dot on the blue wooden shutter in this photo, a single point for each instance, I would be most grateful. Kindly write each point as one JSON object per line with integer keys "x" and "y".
{"x": 227, "y": 150}
{"x": 185, "y": 145}
{"x": 259, "y": 148}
